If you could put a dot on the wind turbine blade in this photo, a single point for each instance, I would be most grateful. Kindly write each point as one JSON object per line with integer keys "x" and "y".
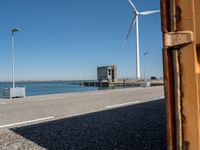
{"x": 149, "y": 12}
{"x": 130, "y": 29}
{"x": 133, "y": 6}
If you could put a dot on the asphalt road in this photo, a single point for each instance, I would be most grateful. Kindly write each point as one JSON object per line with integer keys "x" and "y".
{"x": 114, "y": 119}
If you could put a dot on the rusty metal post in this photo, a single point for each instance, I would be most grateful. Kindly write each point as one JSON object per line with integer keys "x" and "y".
{"x": 168, "y": 77}
{"x": 181, "y": 58}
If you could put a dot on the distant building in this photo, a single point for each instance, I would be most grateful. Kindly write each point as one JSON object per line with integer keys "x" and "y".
{"x": 107, "y": 73}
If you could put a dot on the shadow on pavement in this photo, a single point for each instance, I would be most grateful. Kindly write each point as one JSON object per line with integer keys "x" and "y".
{"x": 136, "y": 127}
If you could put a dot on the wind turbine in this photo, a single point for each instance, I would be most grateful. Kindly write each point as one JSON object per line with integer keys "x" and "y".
{"x": 134, "y": 21}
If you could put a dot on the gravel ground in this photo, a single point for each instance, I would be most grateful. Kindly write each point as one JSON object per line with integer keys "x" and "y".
{"x": 136, "y": 127}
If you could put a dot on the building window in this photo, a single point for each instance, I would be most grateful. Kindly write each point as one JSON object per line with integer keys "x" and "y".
{"x": 109, "y": 72}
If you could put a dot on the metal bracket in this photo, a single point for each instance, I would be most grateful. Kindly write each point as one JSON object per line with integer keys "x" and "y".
{"x": 178, "y": 39}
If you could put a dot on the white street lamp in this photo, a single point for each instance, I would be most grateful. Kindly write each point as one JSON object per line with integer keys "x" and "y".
{"x": 14, "y": 92}
{"x": 13, "y": 55}
{"x": 146, "y": 53}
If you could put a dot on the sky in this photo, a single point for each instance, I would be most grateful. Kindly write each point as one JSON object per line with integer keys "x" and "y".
{"x": 68, "y": 39}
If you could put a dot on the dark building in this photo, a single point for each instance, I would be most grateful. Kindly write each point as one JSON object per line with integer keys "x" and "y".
{"x": 107, "y": 73}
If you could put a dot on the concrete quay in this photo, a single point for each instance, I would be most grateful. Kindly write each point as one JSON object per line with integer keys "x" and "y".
{"x": 132, "y": 118}
{"x": 121, "y": 83}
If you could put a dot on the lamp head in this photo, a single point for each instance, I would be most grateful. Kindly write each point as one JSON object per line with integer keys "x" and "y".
{"x": 15, "y": 30}
{"x": 146, "y": 53}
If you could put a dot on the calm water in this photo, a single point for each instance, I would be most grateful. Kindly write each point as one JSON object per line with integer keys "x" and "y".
{"x": 42, "y": 88}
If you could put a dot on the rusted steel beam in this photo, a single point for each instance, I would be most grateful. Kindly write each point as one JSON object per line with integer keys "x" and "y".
{"x": 181, "y": 58}
{"x": 168, "y": 77}
{"x": 169, "y": 99}
{"x": 189, "y": 19}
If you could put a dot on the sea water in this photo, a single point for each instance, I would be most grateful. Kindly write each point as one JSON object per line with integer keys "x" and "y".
{"x": 50, "y": 87}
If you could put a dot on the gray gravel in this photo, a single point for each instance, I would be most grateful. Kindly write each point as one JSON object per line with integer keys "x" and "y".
{"x": 136, "y": 127}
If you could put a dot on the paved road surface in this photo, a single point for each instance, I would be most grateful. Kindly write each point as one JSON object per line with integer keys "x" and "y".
{"x": 114, "y": 119}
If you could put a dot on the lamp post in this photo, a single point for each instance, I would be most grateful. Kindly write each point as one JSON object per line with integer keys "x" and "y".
{"x": 13, "y": 55}
{"x": 146, "y": 53}
{"x": 14, "y": 92}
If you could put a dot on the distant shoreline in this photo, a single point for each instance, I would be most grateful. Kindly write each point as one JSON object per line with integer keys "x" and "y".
{"x": 47, "y": 81}
{"x": 67, "y": 80}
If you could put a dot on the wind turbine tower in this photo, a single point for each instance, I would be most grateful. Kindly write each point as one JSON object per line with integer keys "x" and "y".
{"x": 134, "y": 21}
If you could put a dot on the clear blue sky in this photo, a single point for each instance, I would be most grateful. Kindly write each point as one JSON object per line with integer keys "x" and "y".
{"x": 68, "y": 39}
